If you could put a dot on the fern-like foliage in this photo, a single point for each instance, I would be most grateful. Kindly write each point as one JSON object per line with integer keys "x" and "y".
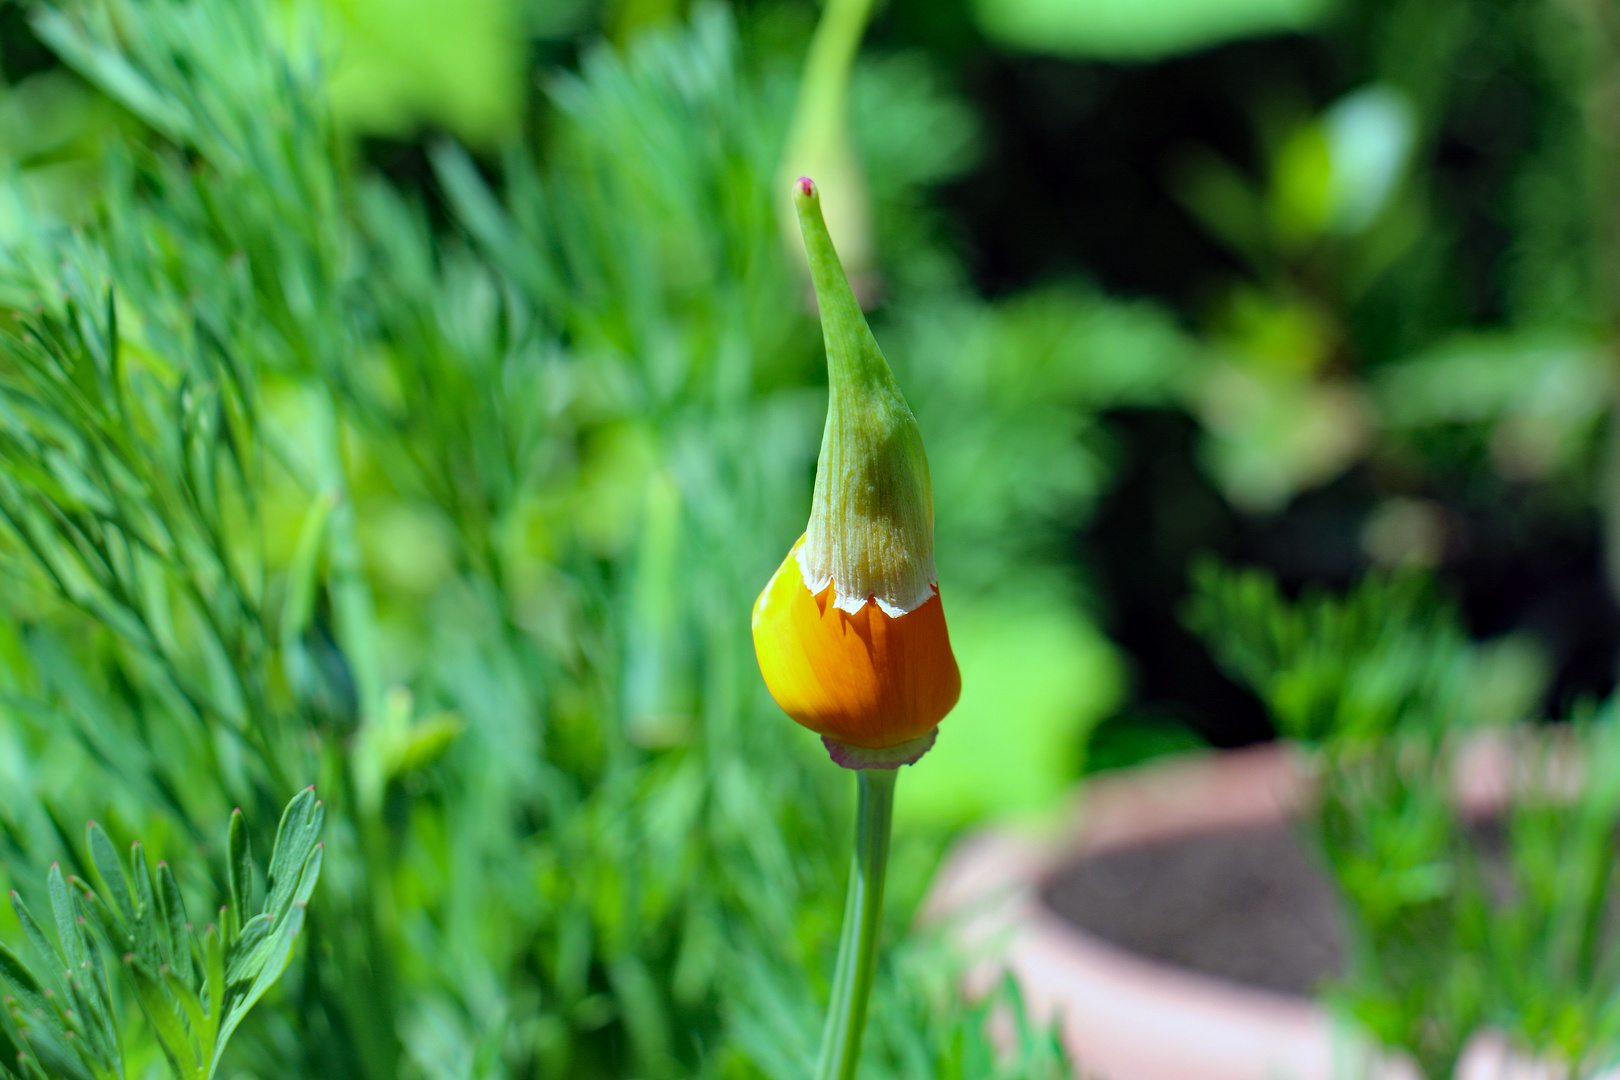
{"x": 63, "y": 1019}
{"x": 1349, "y": 669}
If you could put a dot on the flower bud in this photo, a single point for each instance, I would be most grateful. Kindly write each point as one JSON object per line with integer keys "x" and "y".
{"x": 850, "y": 632}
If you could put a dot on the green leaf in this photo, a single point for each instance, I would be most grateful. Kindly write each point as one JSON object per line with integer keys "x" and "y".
{"x": 179, "y": 927}
{"x": 68, "y": 928}
{"x": 303, "y": 575}
{"x": 308, "y": 876}
{"x": 30, "y": 995}
{"x": 275, "y": 962}
{"x": 214, "y": 983}
{"x": 168, "y": 1025}
{"x": 103, "y": 916}
{"x": 150, "y": 934}
{"x": 30, "y": 1068}
{"x": 10, "y": 1048}
{"x": 91, "y": 1025}
{"x": 92, "y": 987}
{"x": 241, "y": 871}
{"x": 105, "y": 859}
{"x": 196, "y": 1014}
{"x": 111, "y": 71}
{"x": 48, "y": 952}
{"x": 246, "y": 955}
{"x": 296, "y": 839}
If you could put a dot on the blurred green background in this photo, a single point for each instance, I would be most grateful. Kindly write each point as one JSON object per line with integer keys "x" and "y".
{"x": 462, "y": 392}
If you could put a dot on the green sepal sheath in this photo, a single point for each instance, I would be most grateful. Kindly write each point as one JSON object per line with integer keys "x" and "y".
{"x": 871, "y": 531}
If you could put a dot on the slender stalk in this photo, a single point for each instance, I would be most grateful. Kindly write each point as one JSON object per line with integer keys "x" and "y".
{"x": 824, "y": 93}
{"x": 863, "y": 919}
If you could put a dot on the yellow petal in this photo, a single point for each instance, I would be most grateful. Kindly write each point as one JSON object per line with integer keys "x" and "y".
{"x": 865, "y": 678}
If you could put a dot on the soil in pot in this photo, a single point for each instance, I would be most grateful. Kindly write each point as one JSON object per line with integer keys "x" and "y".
{"x": 1250, "y": 905}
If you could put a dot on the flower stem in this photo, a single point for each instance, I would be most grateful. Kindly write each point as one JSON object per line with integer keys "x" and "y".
{"x": 863, "y": 919}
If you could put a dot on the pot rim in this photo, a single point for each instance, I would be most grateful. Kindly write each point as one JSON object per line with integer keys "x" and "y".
{"x": 1130, "y": 1017}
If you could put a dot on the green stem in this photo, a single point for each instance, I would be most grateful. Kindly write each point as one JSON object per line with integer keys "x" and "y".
{"x": 824, "y": 91}
{"x": 863, "y": 919}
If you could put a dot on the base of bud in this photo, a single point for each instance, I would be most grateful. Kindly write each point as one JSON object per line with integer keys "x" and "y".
{"x": 890, "y": 757}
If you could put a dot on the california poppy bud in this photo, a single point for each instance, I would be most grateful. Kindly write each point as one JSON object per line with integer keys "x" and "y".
{"x": 849, "y": 632}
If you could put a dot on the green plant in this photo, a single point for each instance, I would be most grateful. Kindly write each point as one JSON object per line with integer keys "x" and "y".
{"x": 1552, "y": 953}
{"x": 1377, "y": 684}
{"x": 193, "y": 989}
{"x": 1456, "y": 922}
{"x": 1344, "y": 671}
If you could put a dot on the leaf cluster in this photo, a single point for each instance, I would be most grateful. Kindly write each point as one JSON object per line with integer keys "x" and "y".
{"x": 193, "y": 988}
{"x": 1342, "y": 671}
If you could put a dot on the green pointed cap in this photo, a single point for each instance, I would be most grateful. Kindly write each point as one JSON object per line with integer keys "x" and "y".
{"x": 871, "y": 531}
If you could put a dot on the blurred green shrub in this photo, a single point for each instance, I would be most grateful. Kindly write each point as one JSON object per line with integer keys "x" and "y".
{"x": 1384, "y": 661}
{"x": 1457, "y": 922}
{"x": 397, "y": 66}
{"x": 1332, "y": 213}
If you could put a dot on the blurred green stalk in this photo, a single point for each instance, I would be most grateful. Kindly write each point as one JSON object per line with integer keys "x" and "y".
{"x": 824, "y": 91}
{"x": 863, "y": 919}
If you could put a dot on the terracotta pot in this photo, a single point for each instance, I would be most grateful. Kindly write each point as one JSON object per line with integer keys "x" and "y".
{"x": 1126, "y": 1017}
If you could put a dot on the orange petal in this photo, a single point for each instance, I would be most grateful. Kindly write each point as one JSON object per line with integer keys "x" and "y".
{"x": 866, "y": 679}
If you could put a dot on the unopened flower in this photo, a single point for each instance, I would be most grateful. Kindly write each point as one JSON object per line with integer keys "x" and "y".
{"x": 850, "y": 632}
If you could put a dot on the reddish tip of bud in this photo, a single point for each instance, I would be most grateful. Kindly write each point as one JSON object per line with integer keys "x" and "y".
{"x": 238, "y": 810}
{"x": 807, "y": 186}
